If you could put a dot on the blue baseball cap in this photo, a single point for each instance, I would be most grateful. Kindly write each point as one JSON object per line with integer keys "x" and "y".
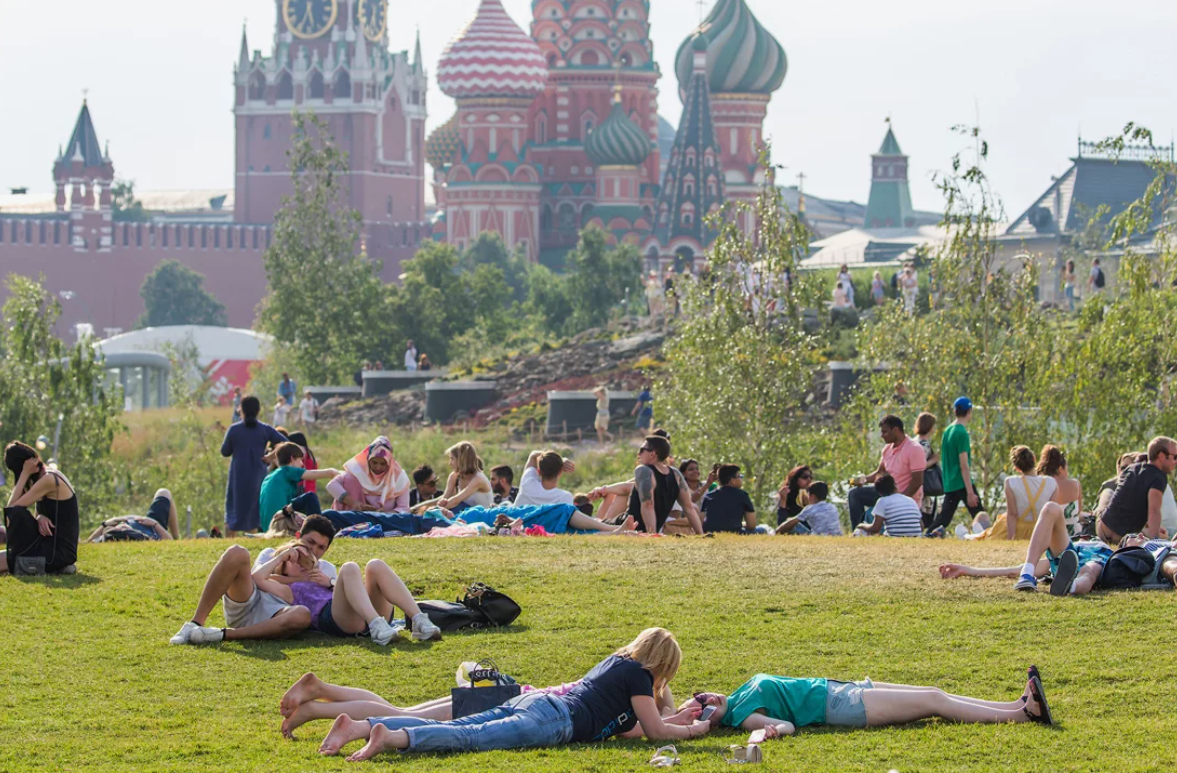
{"x": 962, "y": 405}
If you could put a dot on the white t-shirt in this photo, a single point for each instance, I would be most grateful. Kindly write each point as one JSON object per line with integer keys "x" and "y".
{"x": 900, "y": 514}
{"x": 307, "y": 408}
{"x": 325, "y": 566}
{"x": 410, "y": 359}
{"x": 532, "y": 492}
{"x": 280, "y": 414}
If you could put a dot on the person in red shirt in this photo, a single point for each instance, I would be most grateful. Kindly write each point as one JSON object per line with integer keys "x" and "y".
{"x": 903, "y": 459}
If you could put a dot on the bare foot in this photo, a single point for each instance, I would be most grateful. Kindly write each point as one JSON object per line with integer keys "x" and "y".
{"x": 380, "y": 741}
{"x": 344, "y": 731}
{"x": 630, "y": 524}
{"x": 305, "y": 689}
{"x": 300, "y": 717}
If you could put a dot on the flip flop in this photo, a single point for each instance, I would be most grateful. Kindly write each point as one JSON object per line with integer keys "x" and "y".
{"x": 1039, "y": 695}
{"x": 1068, "y": 568}
{"x": 665, "y": 757}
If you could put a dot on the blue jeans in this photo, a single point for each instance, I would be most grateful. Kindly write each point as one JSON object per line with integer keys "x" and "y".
{"x": 406, "y": 523}
{"x": 307, "y": 504}
{"x": 858, "y": 500}
{"x": 527, "y": 722}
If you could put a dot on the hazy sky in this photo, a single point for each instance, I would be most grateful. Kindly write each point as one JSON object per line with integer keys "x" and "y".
{"x": 1037, "y": 72}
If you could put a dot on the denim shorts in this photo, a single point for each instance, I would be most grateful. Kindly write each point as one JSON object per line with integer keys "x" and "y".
{"x": 844, "y": 706}
{"x": 325, "y": 623}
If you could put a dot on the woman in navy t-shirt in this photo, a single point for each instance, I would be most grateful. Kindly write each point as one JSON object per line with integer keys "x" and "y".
{"x": 616, "y": 698}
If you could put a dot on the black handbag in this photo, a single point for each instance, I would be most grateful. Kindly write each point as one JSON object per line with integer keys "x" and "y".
{"x": 475, "y": 700}
{"x": 933, "y": 481}
{"x": 497, "y": 607}
{"x": 452, "y": 616}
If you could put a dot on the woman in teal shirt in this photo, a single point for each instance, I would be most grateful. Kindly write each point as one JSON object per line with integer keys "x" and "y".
{"x": 771, "y": 706}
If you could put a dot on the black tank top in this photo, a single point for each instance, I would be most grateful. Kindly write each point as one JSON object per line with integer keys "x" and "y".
{"x": 66, "y": 527}
{"x": 666, "y": 491}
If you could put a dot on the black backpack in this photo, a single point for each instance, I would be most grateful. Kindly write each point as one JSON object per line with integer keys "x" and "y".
{"x": 1099, "y": 278}
{"x": 1128, "y": 568}
{"x": 481, "y": 607}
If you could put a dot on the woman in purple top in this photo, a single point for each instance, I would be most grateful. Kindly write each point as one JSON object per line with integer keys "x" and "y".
{"x": 245, "y": 444}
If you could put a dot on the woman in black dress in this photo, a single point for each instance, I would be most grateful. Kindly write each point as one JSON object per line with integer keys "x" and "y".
{"x": 53, "y": 532}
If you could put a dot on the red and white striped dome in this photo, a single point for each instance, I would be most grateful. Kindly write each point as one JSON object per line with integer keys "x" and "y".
{"x": 492, "y": 57}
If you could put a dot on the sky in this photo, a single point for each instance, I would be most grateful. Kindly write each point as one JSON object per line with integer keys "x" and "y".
{"x": 1034, "y": 74}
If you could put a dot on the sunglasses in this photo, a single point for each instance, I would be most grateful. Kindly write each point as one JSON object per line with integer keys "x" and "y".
{"x": 645, "y": 450}
{"x": 805, "y": 477}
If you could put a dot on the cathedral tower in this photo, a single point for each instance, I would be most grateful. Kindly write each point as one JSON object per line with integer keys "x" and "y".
{"x": 890, "y": 195}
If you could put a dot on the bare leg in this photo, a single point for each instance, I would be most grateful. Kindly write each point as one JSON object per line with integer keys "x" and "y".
{"x": 581, "y": 522}
{"x": 292, "y": 621}
{"x": 351, "y": 609}
{"x": 1086, "y": 579}
{"x": 311, "y": 688}
{"x": 3, "y": 562}
{"x": 385, "y": 589}
{"x": 1009, "y": 705}
{"x": 173, "y": 516}
{"x": 343, "y": 732}
{"x": 896, "y": 707}
{"x": 95, "y": 534}
{"x": 1050, "y": 533}
{"x": 230, "y": 577}
{"x": 309, "y": 712}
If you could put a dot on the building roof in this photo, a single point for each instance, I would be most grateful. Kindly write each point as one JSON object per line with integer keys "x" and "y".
{"x": 180, "y": 202}
{"x": 860, "y": 247}
{"x": 890, "y": 145}
{"x": 618, "y": 141}
{"x": 1074, "y": 198}
{"x": 213, "y": 343}
{"x": 742, "y": 56}
{"x": 443, "y": 144}
{"x": 889, "y": 205}
{"x": 83, "y": 143}
{"x": 492, "y": 57}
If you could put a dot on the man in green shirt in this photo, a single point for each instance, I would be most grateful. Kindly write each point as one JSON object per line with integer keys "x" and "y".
{"x": 280, "y": 488}
{"x": 955, "y": 462}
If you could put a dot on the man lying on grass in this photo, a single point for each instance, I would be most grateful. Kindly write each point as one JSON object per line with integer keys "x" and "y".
{"x": 251, "y": 612}
{"x": 611, "y": 700}
{"x": 1077, "y": 567}
{"x": 774, "y": 706}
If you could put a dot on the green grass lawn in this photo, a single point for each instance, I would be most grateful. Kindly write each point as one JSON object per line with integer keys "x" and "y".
{"x": 91, "y": 682}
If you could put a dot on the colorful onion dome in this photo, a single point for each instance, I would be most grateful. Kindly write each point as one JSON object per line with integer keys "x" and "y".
{"x": 443, "y": 144}
{"x": 618, "y": 141}
{"x": 742, "y": 56}
{"x": 492, "y": 57}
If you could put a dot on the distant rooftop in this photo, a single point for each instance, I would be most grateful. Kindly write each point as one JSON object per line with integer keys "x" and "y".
{"x": 183, "y": 202}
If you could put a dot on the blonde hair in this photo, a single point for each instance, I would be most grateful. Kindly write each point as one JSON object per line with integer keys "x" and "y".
{"x": 282, "y": 525}
{"x": 658, "y": 651}
{"x": 468, "y": 460}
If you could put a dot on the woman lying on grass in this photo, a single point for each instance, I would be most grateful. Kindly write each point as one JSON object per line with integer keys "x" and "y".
{"x": 611, "y": 700}
{"x": 772, "y": 706}
{"x": 353, "y": 604}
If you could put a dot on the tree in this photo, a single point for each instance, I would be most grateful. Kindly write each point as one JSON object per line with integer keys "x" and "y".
{"x": 599, "y": 278}
{"x": 490, "y": 250}
{"x": 41, "y": 379}
{"x": 739, "y": 364}
{"x": 124, "y": 207}
{"x": 326, "y": 303}
{"x": 174, "y": 295}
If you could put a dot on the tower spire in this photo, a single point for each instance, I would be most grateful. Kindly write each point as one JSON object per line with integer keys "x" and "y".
{"x": 417, "y": 59}
{"x": 243, "y": 56}
{"x": 360, "y": 59}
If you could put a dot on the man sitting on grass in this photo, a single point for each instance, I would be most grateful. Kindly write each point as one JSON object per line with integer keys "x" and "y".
{"x": 250, "y": 612}
{"x": 895, "y": 514}
{"x": 502, "y": 480}
{"x": 729, "y": 508}
{"x": 650, "y": 496}
{"x": 424, "y": 486}
{"x": 541, "y": 480}
{"x": 819, "y": 517}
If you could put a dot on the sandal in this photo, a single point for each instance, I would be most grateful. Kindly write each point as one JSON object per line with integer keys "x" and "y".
{"x": 665, "y": 757}
{"x": 1039, "y": 695}
{"x": 737, "y": 755}
{"x": 1031, "y": 673}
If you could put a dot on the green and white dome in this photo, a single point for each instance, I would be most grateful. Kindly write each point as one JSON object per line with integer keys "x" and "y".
{"x": 618, "y": 141}
{"x": 742, "y": 56}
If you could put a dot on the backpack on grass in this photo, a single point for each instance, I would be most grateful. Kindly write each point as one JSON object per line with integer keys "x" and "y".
{"x": 481, "y": 607}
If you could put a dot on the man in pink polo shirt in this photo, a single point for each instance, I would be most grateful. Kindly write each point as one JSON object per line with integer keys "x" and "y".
{"x": 903, "y": 459}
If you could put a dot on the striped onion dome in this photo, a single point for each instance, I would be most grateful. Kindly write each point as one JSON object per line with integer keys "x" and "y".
{"x": 742, "y": 57}
{"x": 618, "y": 141}
{"x": 443, "y": 144}
{"x": 492, "y": 57}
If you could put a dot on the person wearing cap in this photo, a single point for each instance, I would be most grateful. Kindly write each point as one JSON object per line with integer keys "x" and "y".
{"x": 955, "y": 464}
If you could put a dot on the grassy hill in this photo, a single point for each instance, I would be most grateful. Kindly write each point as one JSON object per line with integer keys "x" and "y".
{"x": 92, "y": 684}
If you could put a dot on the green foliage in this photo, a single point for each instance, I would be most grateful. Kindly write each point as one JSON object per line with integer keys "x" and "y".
{"x": 738, "y": 368}
{"x": 187, "y": 383}
{"x": 174, "y": 295}
{"x": 124, "y": 207}
{"x": 326, "y": 303}
{"x": 41, "y": 379}
{"x": 599, "y": 278}
{"x": 490, "y": 250}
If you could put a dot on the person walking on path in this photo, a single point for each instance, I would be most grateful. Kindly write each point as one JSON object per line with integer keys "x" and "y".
{"x": 956, "y": 459}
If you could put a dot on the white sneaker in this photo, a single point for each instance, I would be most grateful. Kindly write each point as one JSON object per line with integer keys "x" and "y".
{"x": 961, "y": 531}
{"x": 185, "y": 634}
{"x": 381, "y": 632}
{"x": 424, "y": 629}
{"x": 206, "y": 635}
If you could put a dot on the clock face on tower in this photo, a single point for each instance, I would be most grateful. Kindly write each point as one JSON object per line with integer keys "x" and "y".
{"x": 309, "y": 18}
{"x": 374, "y": 17}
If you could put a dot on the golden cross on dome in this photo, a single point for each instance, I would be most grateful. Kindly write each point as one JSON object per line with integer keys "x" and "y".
{"x": 617, "y": 82}
{"x": 702, "y": 8}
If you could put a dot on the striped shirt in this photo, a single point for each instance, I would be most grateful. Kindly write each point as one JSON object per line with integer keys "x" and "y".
{"x": 900, "y": 514}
